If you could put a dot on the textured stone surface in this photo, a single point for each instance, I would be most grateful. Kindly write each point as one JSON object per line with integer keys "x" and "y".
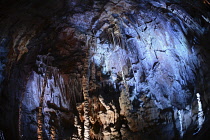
{"x": 117, "y": 69}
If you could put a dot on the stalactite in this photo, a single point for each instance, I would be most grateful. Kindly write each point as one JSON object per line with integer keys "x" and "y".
{"x": 93, "y": 77}
{"x": 60, "y": 84}
{"x": 113, "y": 38}
{"x": 55, "y": 73}
{"x": 71, "y": 91}
{"x": 74, "y": 90}
{"x": 94, "y": 45}
{"x": 39, "y": 84}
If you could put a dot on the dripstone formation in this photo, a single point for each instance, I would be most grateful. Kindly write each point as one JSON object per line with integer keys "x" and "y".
{"x": 102, "y": 70}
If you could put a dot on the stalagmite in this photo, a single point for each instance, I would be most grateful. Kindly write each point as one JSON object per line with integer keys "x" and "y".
{"x": 200, "y": 114}
{"x": 19, "y": 122}
{"x": 180, "y": 122}
{"x": 85, "y": 88}
{"x": 40, "y": 110}
{"x": 79, "y": 128}
{"x": 40, "y": 123}
{"x": 2, "y": 135}
{"x": 20, "y": 117}
{"x": 53, "y": 133}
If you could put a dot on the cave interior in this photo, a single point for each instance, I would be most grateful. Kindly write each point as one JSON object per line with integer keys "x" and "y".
{"x": 104, "y": 69}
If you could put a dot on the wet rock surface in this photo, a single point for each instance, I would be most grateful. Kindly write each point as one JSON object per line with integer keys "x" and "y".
{"x": 117, "y": 69}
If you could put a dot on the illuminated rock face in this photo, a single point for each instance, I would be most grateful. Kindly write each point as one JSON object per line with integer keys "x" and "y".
{"x": 105, "y": 70}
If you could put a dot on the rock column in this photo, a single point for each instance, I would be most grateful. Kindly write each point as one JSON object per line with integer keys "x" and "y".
{"x": 85, "y": 88}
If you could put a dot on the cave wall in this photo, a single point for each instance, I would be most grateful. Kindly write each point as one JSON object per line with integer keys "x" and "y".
{"x": 115, "y": 69}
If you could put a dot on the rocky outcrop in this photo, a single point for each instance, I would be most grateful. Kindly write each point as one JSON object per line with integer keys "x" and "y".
{"x": 118, "y": 69}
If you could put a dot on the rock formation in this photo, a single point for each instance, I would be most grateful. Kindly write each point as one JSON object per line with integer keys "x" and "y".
{"x": 113, "y": 69}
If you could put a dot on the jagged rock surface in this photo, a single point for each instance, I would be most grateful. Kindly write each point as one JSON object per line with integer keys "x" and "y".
{"x": 117, "y": 69}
